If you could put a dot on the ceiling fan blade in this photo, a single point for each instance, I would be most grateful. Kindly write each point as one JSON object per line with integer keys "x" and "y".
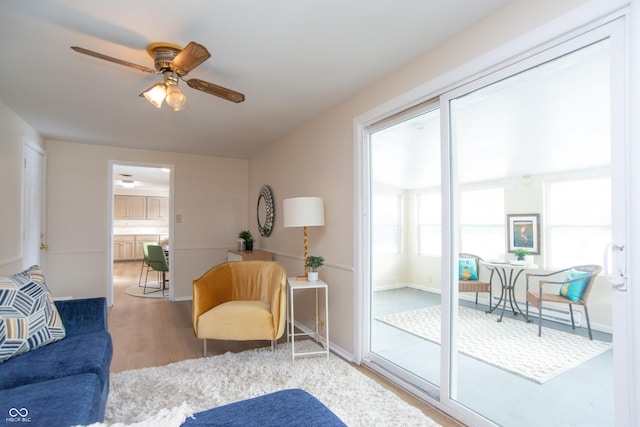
{"x": 189, "y": 58}
{"x": 112, "y": 59}
{"x": 222, "y": 92}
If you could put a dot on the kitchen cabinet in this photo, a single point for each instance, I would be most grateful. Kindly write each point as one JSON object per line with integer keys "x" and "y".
{"x": 123, "y": 248}
{"x": 157, "y": 207}
{"x": 140, "y": 240}
{"x": 129, "y": 207}
{"x": 140, "y": 207}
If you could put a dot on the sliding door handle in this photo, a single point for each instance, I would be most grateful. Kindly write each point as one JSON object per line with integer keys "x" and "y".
{"x": 617, "y": 273}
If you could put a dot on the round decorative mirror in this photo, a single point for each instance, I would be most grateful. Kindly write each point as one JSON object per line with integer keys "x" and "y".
{"x": 265, "y": 211}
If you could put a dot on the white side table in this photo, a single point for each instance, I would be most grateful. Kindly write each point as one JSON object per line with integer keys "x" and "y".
{"x": 294, "y": 285}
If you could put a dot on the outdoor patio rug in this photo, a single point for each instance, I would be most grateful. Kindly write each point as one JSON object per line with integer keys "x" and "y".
{"x": 512, "y": 344}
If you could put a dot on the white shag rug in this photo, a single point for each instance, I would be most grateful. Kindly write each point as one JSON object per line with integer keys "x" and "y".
{"x": 205, "y": 383}
{"x": 512, "y": 345}
{"x": 152, "y": 291}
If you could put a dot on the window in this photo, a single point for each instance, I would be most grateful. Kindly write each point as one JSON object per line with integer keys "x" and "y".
{"x": 386, "y": 224}
{"x": 578, "y": 221}
{"x": 482, "y": 217}
{"x": 429, "y": 224}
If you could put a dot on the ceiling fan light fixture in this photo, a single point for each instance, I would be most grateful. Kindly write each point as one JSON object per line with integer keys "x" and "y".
{"x": 175, "y": 98}
{"x": 128, "y": 183}
{"x": 156, "y": 94}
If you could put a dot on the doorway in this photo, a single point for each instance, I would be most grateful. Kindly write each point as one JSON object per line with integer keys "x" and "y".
{"x": 33, "y": 191}
{"x": 141, "y": 209}
{"x": 512, "y": 143}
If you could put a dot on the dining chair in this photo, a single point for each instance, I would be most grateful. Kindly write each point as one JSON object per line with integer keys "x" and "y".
{"x": 574, "y": 289}
{"x": 469, "y": 276}
{"x": 145, "y": 260}
{"x": 157, "y": 262}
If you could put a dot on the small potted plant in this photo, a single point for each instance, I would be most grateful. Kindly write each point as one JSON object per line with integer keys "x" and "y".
{"x": 520, "y": 254}
{"x": 248, "y": 239}
{"x": 313, "y": 264}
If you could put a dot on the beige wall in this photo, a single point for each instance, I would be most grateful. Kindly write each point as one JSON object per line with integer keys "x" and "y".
{"x": 315, "y": 160}
{"x": 13, "y": 133}
{"x": 209, "y": 192}
{"x": 318, "y": 159}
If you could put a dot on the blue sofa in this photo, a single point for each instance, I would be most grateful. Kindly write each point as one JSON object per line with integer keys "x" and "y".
{"x": 64, "y": 383}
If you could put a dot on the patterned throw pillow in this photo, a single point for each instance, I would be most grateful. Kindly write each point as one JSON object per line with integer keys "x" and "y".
{"x": 28, "y": 316}
{"x": 467, "y": 269}
{"x": 574, "y": 290}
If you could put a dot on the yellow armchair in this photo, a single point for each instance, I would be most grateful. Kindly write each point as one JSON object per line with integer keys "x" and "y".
{"x": 240, "y": 301}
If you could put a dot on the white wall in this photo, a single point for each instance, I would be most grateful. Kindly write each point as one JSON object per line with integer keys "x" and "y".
{"x": 209, "y": 192}
{"x": 318, "y": 159}
{"x": 13, "y": 132}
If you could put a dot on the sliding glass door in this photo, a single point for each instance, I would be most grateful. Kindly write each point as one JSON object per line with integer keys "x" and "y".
{"x": 405, "y": 256}
{"x": 521, "y": 158}
{"x": 537, "y": 146}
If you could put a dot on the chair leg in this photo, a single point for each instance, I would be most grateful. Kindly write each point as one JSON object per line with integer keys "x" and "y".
{"x": 476, "y": 298}
{"x": 573, "y": 324}
{"x": 540, "y": 317}
{"x": 141, "y": 270}
{"x": 274, "y": 344}
{"x": 586, "y": 314}
{"x": 146, "y": 279}
{"x": 204, "y": 347}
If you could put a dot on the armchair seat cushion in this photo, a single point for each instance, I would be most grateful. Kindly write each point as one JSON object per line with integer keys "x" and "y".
{"x": 238, "y": 320}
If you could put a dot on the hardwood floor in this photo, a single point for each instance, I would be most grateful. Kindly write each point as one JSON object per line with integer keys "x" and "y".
{"x": 149, "y": 332}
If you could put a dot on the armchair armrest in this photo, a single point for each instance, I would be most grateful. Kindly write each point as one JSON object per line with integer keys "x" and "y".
{"x": 82, "y": 316}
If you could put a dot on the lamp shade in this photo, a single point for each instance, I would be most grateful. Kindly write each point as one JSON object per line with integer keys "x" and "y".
{"x": 303, "y": 212}
{"x": 156, "y": 94}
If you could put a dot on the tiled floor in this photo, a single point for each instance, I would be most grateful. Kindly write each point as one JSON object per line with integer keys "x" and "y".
{"x": 580, "y": 396}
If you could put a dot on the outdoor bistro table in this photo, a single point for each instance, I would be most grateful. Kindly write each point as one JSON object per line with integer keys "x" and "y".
{"x": 508, "y": 272}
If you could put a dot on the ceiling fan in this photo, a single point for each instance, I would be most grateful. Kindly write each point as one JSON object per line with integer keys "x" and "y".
{"x": 174, "y": 63}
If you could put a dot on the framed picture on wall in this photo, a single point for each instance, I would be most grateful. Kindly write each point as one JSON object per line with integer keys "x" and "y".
{"x": 524, "y": 232}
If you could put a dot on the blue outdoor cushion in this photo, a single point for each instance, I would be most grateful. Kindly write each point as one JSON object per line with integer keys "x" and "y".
{"x": 574, "y": 290}
{"x": 467, "y": 264}
{"x": 293, "y": 407}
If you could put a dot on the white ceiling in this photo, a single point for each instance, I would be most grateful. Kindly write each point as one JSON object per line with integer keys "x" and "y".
{"x": 550, "y": 119}
{"x": 293, "y": 59}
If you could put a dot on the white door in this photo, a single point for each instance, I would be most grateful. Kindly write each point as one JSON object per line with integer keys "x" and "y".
{"x": 33, "y": 243}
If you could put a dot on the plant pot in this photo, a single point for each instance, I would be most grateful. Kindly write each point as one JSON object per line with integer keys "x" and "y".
{"x": 312, "y": 276}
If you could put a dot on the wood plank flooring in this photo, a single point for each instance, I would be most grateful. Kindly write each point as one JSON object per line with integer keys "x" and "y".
{"x": 149, "y": 332}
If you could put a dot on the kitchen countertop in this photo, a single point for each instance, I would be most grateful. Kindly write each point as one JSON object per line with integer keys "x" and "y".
{"x": 140, "y": 231}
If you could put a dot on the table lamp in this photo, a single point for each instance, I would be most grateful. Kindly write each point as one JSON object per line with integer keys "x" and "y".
{"x": 303, "y": 212}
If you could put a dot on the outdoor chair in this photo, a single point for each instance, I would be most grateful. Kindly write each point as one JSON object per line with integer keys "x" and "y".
{"x": 469, "y": 276}
{"x": 574, "y": 289}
